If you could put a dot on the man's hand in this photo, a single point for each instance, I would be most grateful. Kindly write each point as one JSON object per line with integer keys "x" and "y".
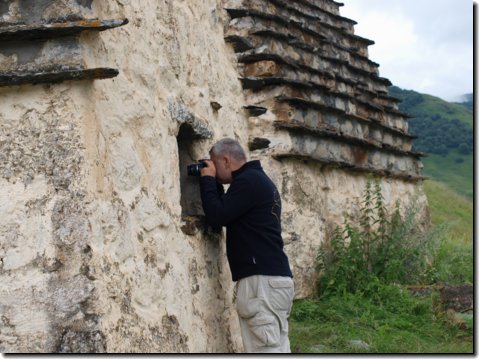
{"x": 209, "y": 170}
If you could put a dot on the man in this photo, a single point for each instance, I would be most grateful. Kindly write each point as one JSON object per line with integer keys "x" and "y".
{"x": 251, "y": 211}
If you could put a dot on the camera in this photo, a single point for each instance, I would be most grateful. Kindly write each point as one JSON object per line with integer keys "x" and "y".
{"x": 194, "y": 169}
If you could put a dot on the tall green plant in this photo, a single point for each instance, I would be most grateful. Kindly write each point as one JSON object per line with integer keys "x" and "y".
{"x": 385, "y": 248}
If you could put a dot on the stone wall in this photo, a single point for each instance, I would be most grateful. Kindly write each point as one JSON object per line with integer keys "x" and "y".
{"x": 319, "y": 91}
{"x": 103, "y": 247}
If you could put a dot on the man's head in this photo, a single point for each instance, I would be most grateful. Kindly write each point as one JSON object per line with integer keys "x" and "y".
{"x": 228, "y": 156}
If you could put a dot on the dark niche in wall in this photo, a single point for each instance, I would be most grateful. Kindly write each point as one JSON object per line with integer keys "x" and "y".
{"x": 193, "y": 131}
{"x": 189, "y": 185}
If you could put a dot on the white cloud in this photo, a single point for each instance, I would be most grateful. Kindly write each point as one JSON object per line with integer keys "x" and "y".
{"x": 422, "y": 45}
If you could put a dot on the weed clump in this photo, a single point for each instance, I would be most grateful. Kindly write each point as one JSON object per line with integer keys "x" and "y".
{"x": 362, "y": 304}
{"x": 384, "y": 249}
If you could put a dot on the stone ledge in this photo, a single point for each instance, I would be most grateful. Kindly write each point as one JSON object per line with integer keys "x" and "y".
{"x": 350, "y": 167}
{"x": 252, "y": 56}
{"x": 239, "y": 43}
{"x": 346, "y": 31}
{"x": 277, "y": 26}
{"x": 259, "y": 83}
{"x": 323, "y": 107}
{"x": 342, "y": 123}
{"x": 255, "y": 110}
{"x": 15, "y": 32}
{"x": 326, "y": 105}
{"x": 309, "y": 10}
{"x": 330, "y": 132}
{"x": 303, "y": 45}
{"x": 327, "y": 5}
{"x": 274, "y": 49}
{"x": 308, "y": 91}
{"x": 316, "y": 28}
{"x": 268, "y": 96}
{"x": 180, "y": 113}
{"x": 55, "y": 75}
{"x": 267, "y": 68}
{"x": 330, "y": 150}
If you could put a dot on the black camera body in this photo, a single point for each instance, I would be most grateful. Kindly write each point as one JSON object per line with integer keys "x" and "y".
{"x": 194, "y": 169}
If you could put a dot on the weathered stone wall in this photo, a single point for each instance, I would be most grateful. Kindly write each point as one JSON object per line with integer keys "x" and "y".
{"x": 303, "y": 64}
{"x": 102, "y": 245}
{"x": 93, "y": 257}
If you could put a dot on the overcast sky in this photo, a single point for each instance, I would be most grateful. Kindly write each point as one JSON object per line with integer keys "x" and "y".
{"x": 421, "y": 45}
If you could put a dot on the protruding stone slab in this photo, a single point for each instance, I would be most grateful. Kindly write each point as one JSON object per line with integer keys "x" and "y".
{"x": 268, "y": 47}
{"x": 239, "y": 43}
{"x": 258, "y": 143}
{"x": 329, "y": 5}
{"x": 342, "y": 123}
{"x": 334, "y": 82}
{"x": 182, "y": 115}
{"x": 351, "y": 167}
{"x": 268, "y": 10}
{"x": 282, "y": 89}
{"x": 388, "y": 126}
{"x": 255, "y": 28}
{"x": 256, "y": 110}
{"x": 332, "y": 133}
{"x": 15, "y": 32}
{"x": 314, "y": 12}
{"x": 54, "y": 75}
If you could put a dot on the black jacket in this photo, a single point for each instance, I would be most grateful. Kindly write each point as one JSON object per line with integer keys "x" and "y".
{"x": 251, "y": 211}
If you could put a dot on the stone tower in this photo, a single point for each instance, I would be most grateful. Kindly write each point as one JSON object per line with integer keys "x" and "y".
{"x": 103, "y": 245}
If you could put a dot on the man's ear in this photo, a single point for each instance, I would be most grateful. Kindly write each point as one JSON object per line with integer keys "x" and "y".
{"x": 227, "y": 162}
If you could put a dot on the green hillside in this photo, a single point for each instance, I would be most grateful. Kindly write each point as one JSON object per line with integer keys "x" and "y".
{"x": 424, "y": 105}
{"x": 454, "y": 169}
{"x": 451, "y": 210}
{"x": 445, "y": 134}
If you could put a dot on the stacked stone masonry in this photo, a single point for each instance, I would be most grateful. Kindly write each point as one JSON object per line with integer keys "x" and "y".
{"x": 39, "y": 42}
{"x": 302, "y": 62}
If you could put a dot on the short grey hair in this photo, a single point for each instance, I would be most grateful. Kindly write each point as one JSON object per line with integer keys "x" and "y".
{"x": 229, "y": 147}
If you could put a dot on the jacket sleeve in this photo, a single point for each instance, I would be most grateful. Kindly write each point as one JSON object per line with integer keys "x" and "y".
{"x": 222, "y": 209}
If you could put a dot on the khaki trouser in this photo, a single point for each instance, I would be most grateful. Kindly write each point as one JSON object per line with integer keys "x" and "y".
{"x": 263, "y": 305}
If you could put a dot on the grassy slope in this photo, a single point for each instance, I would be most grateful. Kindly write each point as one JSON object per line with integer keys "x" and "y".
{"x": 450, "y": 209}
{"x": 454, "y": 262}
{"x": 458, "y": 176}
{"x": 333, "y": 325}
{"x": 433, "y": 105}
